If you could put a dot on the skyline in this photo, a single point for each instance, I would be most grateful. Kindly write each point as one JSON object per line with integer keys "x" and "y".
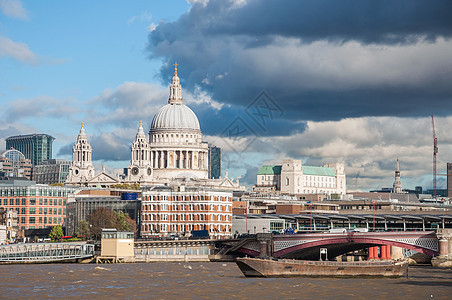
{"x": 352, "y": 82}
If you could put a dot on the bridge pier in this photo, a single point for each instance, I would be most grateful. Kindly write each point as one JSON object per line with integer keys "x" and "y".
{"x": 445, "y": 249}
{"x": 265, "y": 244}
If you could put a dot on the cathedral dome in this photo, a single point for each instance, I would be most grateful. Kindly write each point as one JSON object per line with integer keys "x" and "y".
{"x": 175, "y": 116}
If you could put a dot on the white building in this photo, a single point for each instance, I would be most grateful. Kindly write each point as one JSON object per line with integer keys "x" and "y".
{"x": 175, "y": 148}
{"x": 166, "y": 210}
{"x": 291, "y": 177}
{"x": 173, "y": 153}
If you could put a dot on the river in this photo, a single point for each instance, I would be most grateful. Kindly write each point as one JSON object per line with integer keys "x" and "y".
{"x": 207, "y": 281}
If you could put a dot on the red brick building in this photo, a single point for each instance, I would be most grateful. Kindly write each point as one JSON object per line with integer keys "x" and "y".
{"x": 37, "y": 205}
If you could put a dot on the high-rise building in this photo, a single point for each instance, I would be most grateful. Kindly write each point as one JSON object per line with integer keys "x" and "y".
{"x": 14, "y": 164}
{"x": 214, "y": 162}
{"x": 449, "y": 180}
{"x": 51, "y": 171}
{"x": 35, "y": 147}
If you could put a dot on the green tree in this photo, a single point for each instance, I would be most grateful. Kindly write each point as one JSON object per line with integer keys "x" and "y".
{"x": 57, "y": 233}
{"x": 106, "y": 218}
{"x": 83, "y": 229}
{"x": 124, "y": 222}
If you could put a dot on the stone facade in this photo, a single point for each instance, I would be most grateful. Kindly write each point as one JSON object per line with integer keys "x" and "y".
{"x": 397, "y": 186}
{"x": 81, "y": 169}
{"x": 291, "y": 177}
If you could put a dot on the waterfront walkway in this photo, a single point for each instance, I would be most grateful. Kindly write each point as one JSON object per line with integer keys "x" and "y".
{"x": 45, "y": 252}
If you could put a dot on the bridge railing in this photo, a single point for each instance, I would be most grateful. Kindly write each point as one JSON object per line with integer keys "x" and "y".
{"x": 45, "y": 252}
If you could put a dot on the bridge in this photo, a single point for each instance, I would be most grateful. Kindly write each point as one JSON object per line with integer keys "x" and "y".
{"x": 307, "y": 246}
{"x": 45, "y": 252}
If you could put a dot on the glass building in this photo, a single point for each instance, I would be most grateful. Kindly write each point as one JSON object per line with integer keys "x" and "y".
{"x": 51, "y": 171}
{"x": 35, "y": 147}
{"x": 214, "y": 162}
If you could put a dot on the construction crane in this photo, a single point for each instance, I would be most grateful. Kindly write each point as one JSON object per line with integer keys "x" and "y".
{"x": 435, "y": 150}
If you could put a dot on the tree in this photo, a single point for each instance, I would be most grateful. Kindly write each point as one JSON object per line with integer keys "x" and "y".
{"x": 57, "y": 233}
{"x": 106, "y": 218}
{"x": 101, "y": 218}
{"x": 83, "y": 229}
{"x": 124, "y": 222}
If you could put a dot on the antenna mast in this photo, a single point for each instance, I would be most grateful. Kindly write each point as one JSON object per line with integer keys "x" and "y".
{"x": 435, "y": 150}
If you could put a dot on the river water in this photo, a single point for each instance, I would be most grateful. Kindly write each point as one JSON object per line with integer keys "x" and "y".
{"x": 207, "y": 281}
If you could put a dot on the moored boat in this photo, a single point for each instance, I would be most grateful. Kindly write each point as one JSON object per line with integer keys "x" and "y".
{"x": 257, "y": 267}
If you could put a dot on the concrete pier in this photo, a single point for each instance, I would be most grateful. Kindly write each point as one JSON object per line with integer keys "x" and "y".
{"x": 444, "y": 260}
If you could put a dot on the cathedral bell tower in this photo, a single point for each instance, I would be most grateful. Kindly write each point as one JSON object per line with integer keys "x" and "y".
{"x": 140, "y": 170}
{"x": 81, "y": 169}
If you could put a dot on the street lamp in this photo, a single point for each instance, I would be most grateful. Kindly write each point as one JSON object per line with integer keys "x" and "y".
{"x": 444, "y": 201}
{"x": 373, "y": 202}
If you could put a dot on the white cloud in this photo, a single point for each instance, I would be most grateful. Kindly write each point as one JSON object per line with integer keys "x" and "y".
{"x": 128, "y": 103}
{"x": 151, "y": 27}
{"x": 18, "y": 51}
{"x": 368, "y": 146}
{"x": 200, "y": 96}
{"x": 40, "y": 107}
{"x": 13, "y": 9}
{"x": 143, "y": 17}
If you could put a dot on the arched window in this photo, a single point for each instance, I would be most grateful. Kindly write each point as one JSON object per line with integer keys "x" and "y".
{"x": 287, "y": 180}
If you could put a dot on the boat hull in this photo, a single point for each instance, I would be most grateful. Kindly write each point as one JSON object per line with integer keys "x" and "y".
{"x": 255, "y": 267}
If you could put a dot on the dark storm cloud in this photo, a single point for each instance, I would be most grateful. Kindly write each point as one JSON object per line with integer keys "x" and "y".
{"x": 384, "y": 21}
{"x": 320, "y": 60}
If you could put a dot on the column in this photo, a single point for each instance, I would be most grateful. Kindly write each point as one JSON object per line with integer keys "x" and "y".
{"x": 174, "y": 159}
{"x": 370, "y": 253}
{"x": 156, "y": 154}
{"x": 151, "y": 160}
{"x": 161, "y": 159}
{"x": 443, "y": 247}
{"x": 388, "y": 252}
{"x": 383, "y": 252}
{"x": 186, "y": 159}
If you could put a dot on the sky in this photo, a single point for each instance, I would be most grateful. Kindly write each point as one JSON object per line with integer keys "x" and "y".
{"x": 321, "y": 81}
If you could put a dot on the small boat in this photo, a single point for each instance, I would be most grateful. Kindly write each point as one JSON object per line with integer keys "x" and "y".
{"x": 257, "y": 267}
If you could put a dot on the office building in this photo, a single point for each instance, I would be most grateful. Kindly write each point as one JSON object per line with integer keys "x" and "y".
{"x": 51, "y": 171}
{"x": 14, "y": 164}
{"x": 37, "y": 205}
{"x": 214, "y": 162}
{"x": 35, "y": 147}
{"x": 179, "y": 210}
{"x": 293, "y": 178}
{"x": 87, "y": 201}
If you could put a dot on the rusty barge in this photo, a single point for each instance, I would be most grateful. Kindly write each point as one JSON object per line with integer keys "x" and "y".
{"x": 256, "y": 267}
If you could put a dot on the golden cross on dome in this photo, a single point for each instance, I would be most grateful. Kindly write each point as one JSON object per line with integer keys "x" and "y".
{"x": 175, "y": 68}
{"x": 82, "y": 124}
{"x": 140, "y": 123}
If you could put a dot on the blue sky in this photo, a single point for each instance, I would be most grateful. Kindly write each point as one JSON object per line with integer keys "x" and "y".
{"x": 349, "y": 81}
